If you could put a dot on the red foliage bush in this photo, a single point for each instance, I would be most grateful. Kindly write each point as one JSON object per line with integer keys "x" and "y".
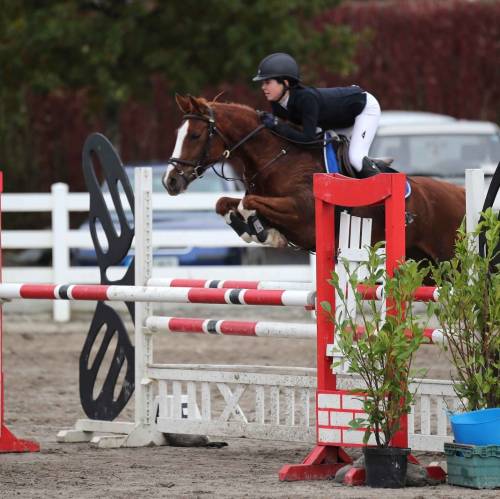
{"x": 441, "y": 56}
{"x": 147, "y": 130}
{"x": 59, "y": 125}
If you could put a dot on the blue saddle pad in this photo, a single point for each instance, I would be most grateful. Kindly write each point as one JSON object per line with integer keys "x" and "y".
{"x": 331, "y": 162}
{"x": 407, "y": 189}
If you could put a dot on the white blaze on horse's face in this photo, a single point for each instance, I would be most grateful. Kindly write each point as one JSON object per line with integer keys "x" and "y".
{"x": 181, "y": 135}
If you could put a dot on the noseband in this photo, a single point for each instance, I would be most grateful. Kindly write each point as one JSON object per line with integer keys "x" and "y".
{"x": 201, "y": 165}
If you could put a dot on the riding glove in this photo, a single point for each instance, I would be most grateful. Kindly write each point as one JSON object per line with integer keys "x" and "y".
{"x": 269, "y": 120}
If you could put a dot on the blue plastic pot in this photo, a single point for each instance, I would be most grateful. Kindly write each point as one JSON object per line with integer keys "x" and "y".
{"x": 477, "y": 427}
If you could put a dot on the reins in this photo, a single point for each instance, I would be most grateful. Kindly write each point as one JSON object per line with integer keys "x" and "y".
{"x": 283, "y": 152}
{"x": 312, "y": 143}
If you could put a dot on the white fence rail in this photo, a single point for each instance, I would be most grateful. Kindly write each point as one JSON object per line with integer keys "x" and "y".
{"x": 60, "y": 239}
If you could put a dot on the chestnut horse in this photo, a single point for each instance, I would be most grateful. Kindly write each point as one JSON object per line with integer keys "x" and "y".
{"x": 278, "y": 176}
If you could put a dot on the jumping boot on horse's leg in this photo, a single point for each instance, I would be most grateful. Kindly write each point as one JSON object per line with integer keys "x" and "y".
{"x": 369, "y": 168}
{"x": 257, "y": 228}
{"x": 261, "y": 229}
{"x": 264, "y": 234}
{"x": 250, "y": 230}
{"x": 239, "y": 225}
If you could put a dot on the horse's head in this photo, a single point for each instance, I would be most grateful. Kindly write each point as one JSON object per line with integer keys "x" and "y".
{"x": 199, "y": 144}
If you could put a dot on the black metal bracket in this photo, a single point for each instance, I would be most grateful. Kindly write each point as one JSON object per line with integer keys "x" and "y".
{"x": 488, "y": 203}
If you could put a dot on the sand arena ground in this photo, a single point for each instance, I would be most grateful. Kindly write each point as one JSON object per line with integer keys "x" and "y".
{"x": 41, "y": 367}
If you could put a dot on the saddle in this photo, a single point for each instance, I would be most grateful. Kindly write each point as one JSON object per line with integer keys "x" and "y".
{"x": 336, "y": 153}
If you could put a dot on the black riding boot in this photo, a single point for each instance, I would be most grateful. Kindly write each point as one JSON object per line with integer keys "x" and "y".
{"x": 369, "y": 168}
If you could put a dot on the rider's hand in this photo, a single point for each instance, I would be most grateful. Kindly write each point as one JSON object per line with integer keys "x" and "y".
{"x": 269, "y": 120}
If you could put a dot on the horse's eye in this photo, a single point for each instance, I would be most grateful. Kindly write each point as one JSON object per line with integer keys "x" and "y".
{"x": 195, "y": 136}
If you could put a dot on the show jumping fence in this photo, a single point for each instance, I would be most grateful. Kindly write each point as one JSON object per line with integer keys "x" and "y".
{"x": 186, "y": 399}
{"x": 284, "y": 403}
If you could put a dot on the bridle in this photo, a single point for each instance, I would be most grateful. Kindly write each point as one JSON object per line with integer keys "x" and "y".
{"x": 202, "y": 164}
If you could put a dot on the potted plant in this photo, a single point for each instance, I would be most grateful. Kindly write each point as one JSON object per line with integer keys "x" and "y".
{"x": 380, "y": 350}
{"x": 468, "y": 311}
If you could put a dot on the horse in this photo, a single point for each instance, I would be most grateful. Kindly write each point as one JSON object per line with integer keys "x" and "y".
{"x": 277, "y": 208}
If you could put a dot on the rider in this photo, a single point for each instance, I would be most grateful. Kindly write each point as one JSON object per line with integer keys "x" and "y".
{"x": 326, "y": 108}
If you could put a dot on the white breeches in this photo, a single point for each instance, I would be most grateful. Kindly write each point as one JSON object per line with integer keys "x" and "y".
{"x": 363, "y": 131}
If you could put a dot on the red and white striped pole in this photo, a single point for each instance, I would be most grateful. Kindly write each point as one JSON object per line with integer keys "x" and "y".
{"x": 218, "y": 283}
{"x": 433, "y": 335}
{"x": 100, "y": 292}
{"x": 230, "y": 327}
{"x": 255, "y": 328}
{"x": 424, "y": 293}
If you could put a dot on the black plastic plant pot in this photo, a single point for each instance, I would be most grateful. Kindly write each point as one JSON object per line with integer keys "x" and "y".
{"x": 386, "y": 466}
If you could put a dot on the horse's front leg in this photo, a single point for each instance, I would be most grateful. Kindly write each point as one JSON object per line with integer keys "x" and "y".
{"x": 247, "y": 224}
{"x": 229, "y": 209}
{"x": 285, "y": 213}
{"x": 225, "y": 205}
{"x": 264, "y": 231}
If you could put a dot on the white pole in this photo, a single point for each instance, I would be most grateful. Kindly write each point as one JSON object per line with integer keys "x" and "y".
{"x": 144, "y": 403}
{"x": 60, "y": 248}
{"x": 474, "y": 199}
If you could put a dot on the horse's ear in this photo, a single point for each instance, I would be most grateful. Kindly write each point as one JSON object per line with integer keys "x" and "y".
{"x": 184, "y": 103}
{"x": 199, "y": 105}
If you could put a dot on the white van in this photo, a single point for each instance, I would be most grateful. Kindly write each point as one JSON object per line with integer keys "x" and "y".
{"x": 442, "y": 149}
{"x": 396, "y": 117}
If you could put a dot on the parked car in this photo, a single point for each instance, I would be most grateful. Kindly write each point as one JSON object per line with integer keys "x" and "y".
{"x": 396, "y": 117}
{"x": 442, "y": 148}
{"x": 181, "y": 220}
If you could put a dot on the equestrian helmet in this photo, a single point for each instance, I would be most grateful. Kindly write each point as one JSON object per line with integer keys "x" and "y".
{"x": 278, "y": 65}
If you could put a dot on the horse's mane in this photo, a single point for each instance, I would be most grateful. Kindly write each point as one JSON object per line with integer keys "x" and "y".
{"x": 250, "y": 116}
{"x": 236, "y": 106}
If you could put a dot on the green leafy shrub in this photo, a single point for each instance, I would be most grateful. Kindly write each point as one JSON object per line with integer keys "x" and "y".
{"x": 382, "y": 355}
{"x": 469, "y": 313}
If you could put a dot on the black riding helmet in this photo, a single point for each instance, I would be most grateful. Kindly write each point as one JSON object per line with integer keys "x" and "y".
{"x": 279, "y": 65}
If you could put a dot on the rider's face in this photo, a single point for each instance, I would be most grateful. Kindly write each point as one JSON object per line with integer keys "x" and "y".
{"x": 272, "y": 90}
